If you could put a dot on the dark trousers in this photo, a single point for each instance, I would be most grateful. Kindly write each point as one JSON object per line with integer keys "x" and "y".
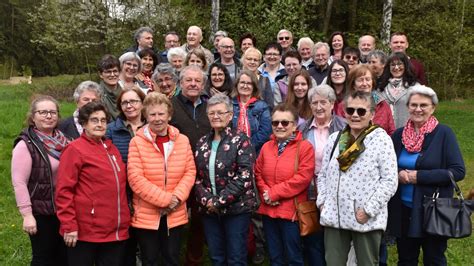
{"x": 195, "y": 239}
{"x": 159, "y": 245}
{"x": 227, "y": 238}
{"x": 433, "y": 250}
{"x": 130, "y": 252}
{"x": 47, "y": 245}
{"x": 98, "y": 254}
{"x": 283, "y": 241}
{"x": 313, "y": 249}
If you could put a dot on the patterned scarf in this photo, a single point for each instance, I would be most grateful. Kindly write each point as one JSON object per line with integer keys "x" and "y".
{"x": 243, "y": 122}
{"x": 395, "y": 87}
{"x": 412, "y": 140}
{"x": 148, "y": 82}
{"x": 282, "y": 144}
{"x": 53, "y": 144}
{"x": 350, "y": 148}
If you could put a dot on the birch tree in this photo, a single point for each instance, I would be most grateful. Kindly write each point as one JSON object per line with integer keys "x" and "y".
{"x": 387, "y": 22}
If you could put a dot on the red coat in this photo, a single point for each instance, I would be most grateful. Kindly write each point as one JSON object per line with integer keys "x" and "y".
{"x": 384, "y": 118}
{"x": 276, "y": 174}
{"x": 90, "y": 191}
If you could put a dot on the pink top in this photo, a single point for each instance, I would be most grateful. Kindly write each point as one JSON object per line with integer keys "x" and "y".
{"x": 21, "y": 170}
{"x": 321, "y": 135}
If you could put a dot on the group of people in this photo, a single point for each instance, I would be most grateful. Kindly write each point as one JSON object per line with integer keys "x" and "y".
{"x": 230, "y": 144}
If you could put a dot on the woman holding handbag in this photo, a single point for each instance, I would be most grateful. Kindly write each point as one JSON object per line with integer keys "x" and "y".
{"x": 283, "y": 172}
{"x": 428, "y": 154}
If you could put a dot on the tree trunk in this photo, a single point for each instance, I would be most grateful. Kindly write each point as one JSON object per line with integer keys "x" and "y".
{"x": 215, "y": 16}
{"x": 458, "y": 61}
{"x": 353, "y": 15}
{"x": 327, "y": 17}
{"x": 387, "y": 22}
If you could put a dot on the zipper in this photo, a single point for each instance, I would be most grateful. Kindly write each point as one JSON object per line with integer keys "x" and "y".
{"x": 50, "y": 174}
{"x": 115, "y": 168}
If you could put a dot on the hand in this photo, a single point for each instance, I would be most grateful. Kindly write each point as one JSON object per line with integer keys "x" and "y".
{"x": 361, "y": 216}
{"x": 29, "y": 224}
{"x": 412, "y": 176}
{"x": 174, "y": 202}
{"x": 266, "y": 197}
{"x": 403, "y": 177}
{"x": 70, "y": 239}
{"x": 210, "y": 206}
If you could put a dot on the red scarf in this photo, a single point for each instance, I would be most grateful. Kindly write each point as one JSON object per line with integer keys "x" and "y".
{"x": 412, "y": 140}
{"x": 243, "y": 122}
{"x": 148, "y": 82}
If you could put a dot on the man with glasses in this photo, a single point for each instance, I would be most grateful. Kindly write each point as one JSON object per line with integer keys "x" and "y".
{"x": 285, "y": 39}
{"x": 171, "y": 41}
{"x": 399, "y": 43}
{"x": 227, "y": 57}
{"x": 320, "y": 57}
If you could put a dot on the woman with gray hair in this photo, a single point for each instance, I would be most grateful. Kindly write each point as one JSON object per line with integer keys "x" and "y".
{"x": 176, "y": 57}
{"x": 428, "y": 157}
{"x": 305, "y": 49}
{"x": 225, "y": 185}
{"x": 131, "y": 66}
{"x": 86, "y": 91}
{"x": 166, "y": 80}
{"x": 317, "y": 130}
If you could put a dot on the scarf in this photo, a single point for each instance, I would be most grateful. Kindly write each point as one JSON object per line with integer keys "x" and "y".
{"x": 282, "y": 145}
{"x": 75, "y": 116}
{"x": 109, "y": 98}
{"x": 395, "y": 87}
{"x": 413, "y": 141}
{"x": 148, "y": 82}
{"x": 350, "y": 148}
{"x": 53, "y": 144}
{"x": 243, "y": 122}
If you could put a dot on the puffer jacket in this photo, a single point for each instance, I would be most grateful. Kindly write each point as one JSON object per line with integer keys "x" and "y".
{"x": 234, "y": 179}
{"x": 260, "y": 121}
{"x": 276, "y": 174}
{"x": 369, "y": 184}
{"x": 120, "y": 136}
{"x": 155, "y": 178}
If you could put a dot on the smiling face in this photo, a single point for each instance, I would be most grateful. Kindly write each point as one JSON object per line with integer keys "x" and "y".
{"x": 110, "y": 76}
{"x": 305, "y": 51}
{"x": 147, "y": 63}
{"x": 245, "y": 87}
{"x": 226, "y": 49}
{"x": 366, "y": 45}
{"x": 145, "y": 40}
{"x": 86, "y": 97}
{"x": 194, "y": 36}
{"x": 171, "y": 41}
{"x": 246, "y": 44}
{"x": 285, "y": 40}
{"x": 96, "y": 125}
{"x": 45, "y": 122}
{"x": 322, "y": 108}
{"x": 129, "y": 70}
{"x": 356, "y": 122}
{"x": 321, "y": 57}
{"x": 177, "y": 62}
{"x": 338, "y": 74}
{"x": 281, "y": 132}
{"x": 337, "y": 42}
{"x": 217, "y": 77}
{"x": 218, "y": 116}
{"x": 272, "y": 57}
{"x": 397, "y": 68}
{"x": 300, "y": 87}
{"x": 351, "y": 60}
{"x": 364, "y": 83}
{"x": 158, "y": 117}
{"x": 292, "y": 65}
{"x": 195, "y": 61}
{"x": 420, "y": 108}
{"x": 131, "y": 105}
{"x": 251, "y": 61}
{"x": 166, "y": 83}
{"x": 192, "y": 84}
{"x": 398, "y": 43}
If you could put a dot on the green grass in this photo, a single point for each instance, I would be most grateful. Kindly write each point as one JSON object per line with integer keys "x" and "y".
{"x": 14, "y": 244}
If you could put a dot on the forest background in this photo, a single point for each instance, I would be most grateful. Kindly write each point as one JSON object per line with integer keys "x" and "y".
{"x": 48, "y": 38}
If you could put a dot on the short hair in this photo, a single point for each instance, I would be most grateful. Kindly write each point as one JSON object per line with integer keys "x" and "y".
{"x": 252, "y": 50}
{"x": 200, "y": 54}
{"x": 186, "y": 69}
{"x": 398, "y": 33}
{"x": 138, "y": 33}
{"x": 358, "y": 71}
{"x": 226, "y": 86}
{"x": 91, "y": 107}
{"x": 218, "y": 99}
{"x": 367, "y": 35}
{"x": 130, "y": 56}
{"x": 254, "y": 80}
{"x": 424, "y": 91}
{"x": 219, "y": 33}
{"x": 172, "y": 33}
{"x": 306, "y": 40}
{"x": 176, "y": 51}
{"x": 363, "y": 96}
{"x": 149, "y": 52}
{"x": 165, "y": 68}
{"x": 283, "y": 31}
{"x": 135, "y": 89}
{"x": 157, "y": 98}
{"x": 378, "y": 54}
{"x": 319, "y": 45}
{"x": 33, "y": 107}
{"x": 273, "y": 45}
{"x": 346, "y": 69}
{"x": 248, "y": 35}
{"x": 334, "y": 34}
{"x": 351, "y": 50}
{"x": 199, "y": 30}
{"x": 86, "y": 86}
{"x": 323, "y": 90}
{"x": 282, "y": 107}
{"x": 292, "y": 54}
{"x": 108, "y": 61}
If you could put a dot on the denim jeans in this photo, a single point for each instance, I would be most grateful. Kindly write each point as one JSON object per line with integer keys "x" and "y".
{"x": 283, "y": 241}
{"x": 227, "y": 238}
{"x": 313, "y": 249}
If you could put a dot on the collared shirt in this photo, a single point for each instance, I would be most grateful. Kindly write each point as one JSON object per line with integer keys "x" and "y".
{"x": 320, "y": 135}
{"x": 190, "y": 105}
{"x": 276, "y": 92}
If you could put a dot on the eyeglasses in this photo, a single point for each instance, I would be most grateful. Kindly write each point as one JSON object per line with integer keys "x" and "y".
{"x": 395, "y": 65}
{"x": 45, "y": 113}
{"x": 341, "y": 71}
{"x": 414, "y": 106}
{"x": 167, "y": 79}
{"x": 227, "y": 47}
{"x": 272, "y": 54}
{"x": 97, "y": 121}
{"x": 286, "y": 38}
{"x": 214, "y": 75}
{"x": 322, "y": 103}
{"x": 245, "y": 83}
{"x": 284, "y": 123}
{"x": 353, "y": 57}
{"x": 219, "y": 114}
{"x": 110, "y": 72}
{"x": 132, "y": 65}
{"x": 131, "y": 102}
{"x": 360, "y": 111}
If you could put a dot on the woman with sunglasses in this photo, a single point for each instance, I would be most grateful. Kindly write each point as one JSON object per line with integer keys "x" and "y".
{"x": 283, "y": 171}
{"x": 351, "y": 56}
{"x": 218, "y": 81}
{"x": 357, "y": 179}
{"x": 298, "y": 88}
{"x": 225, "y": 188}
{"x": 396, "y": 80}
{"x": 361, "y": 78}
{"x": 251, "y": 114}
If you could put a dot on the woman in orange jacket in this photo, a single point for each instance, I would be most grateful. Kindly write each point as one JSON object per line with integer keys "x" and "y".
{"x": 161, "y": 173}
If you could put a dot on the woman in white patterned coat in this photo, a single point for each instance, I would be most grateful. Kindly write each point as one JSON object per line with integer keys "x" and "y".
{"x": 357, "y": 179}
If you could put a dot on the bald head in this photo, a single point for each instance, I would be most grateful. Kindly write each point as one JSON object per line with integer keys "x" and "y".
{"x": 366, "y": 45}
{"x": 194, "y": 37}
{"x": 227, "y": 50}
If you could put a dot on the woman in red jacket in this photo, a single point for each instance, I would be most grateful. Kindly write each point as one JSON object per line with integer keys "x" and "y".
{"x": 90, "y": 194}
{"x": 283, "y": 172}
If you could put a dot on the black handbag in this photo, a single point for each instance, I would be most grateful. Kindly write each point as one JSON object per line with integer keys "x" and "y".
{"x": 448, "y": 217}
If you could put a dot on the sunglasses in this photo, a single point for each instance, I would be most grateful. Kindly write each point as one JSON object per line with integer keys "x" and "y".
{"x": 353, "y": 57}
{"x": 284, "y": 123}
{"x": 360, "y": 111}
{"x": 286, "y": 38}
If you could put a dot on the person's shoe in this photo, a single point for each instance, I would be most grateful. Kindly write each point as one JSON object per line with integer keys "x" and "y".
{"x": 259, "y": 256}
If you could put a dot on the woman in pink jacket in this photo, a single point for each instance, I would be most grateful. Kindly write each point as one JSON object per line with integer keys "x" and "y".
{"x": 283, "y": 172}
{"x": 161, "y": 173}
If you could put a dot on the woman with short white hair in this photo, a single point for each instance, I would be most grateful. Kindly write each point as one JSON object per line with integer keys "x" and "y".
{"x": 305, "y": 49}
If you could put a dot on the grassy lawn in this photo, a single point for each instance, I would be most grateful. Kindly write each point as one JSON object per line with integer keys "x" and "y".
{"x": 15, "y": 245}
